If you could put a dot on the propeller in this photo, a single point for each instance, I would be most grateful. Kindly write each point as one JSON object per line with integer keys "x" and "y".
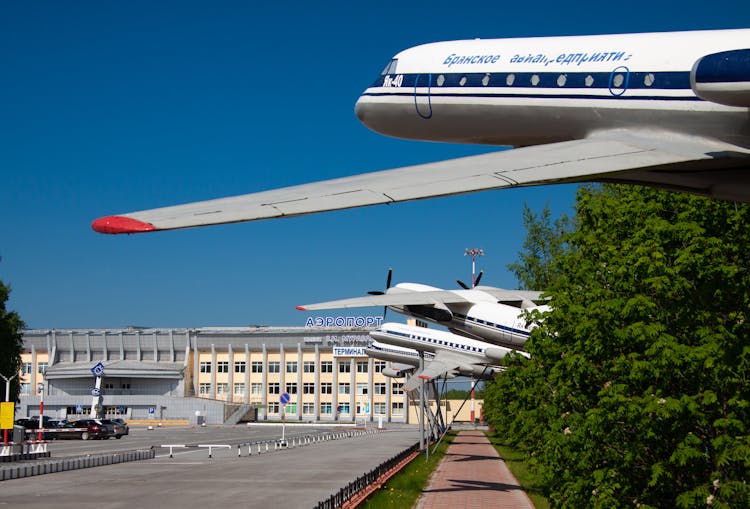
{"x": 387, "y": 286}
{"x": 387, "y": 283}
{"x": 476, "y": 281}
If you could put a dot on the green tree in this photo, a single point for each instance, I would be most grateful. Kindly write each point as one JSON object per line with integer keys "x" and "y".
{"x": 11, "y": 343}
{"x": 637, "y": 392}
{"x": 545, "y": 242}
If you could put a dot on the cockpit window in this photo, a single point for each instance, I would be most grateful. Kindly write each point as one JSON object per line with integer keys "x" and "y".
{"x": 390, "y": 68}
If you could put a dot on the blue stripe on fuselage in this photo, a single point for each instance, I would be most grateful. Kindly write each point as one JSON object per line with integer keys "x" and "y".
{"x": 570, "y": 80}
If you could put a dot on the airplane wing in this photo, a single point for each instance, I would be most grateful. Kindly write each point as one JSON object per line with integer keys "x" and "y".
{"x": 678, "y": 162}
{"x": 518, "y": 298}
{"x": 390, "y": 299}
{"x": 444, "y": 362}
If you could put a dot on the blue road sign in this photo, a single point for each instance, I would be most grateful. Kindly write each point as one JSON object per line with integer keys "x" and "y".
{"x": 79, "y": 409}
{"x": 284, "y": 398}
{"x": 151, "y": 410}
{"x": 98, "y": 370}
{"x": 95, "y": 392}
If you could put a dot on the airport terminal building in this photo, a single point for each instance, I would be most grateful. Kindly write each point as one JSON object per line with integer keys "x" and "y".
{"x": 211, "y": 375}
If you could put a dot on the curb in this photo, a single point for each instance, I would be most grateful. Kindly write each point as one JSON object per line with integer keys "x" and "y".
{"x": 73, "y": 463}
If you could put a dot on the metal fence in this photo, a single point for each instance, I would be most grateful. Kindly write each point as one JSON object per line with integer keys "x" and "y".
{"x": 353, "y": 488}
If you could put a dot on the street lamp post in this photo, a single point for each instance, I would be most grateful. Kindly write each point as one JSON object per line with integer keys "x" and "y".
{"x": 7, "y": 399}
{"x": 474, "y": 253}
{"x": 40, "y": 388}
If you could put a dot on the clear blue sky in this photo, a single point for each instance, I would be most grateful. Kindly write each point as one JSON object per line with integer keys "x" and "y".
{"x": 110, "y": 107}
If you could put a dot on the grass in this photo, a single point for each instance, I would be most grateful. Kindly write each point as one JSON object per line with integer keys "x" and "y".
{"x": 519, "y": 468}
{"x": 403, "y": 489}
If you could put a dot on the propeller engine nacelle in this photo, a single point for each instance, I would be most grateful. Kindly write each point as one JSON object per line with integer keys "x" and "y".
{"x": 437, "y": 312}
{"x": 723, "y": 78}
{"x": 478, "y": 371}
{"x": 396, "y": 370}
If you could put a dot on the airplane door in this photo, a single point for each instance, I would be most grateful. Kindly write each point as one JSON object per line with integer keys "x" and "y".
{"x": 422, "y": 100}
{"x": 619, "y": 79}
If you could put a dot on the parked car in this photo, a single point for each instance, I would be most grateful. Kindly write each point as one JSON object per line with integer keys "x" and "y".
{"x": 85, "y": 429}
{"x": 119, "y": 427}
{"x": 31, "y": 424}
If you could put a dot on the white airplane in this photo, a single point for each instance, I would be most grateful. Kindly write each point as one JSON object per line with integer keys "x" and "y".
{"x": 483, "y": 312}
{"x": 663, "y": 109}
{"x": 403, "y": 361}
{"x": 400, "y": 360}
{"x": 453, "y": 354}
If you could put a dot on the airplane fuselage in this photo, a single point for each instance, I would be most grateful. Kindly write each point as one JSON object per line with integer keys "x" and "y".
{"x": 481, "y": 317}
{"x": 433, "y": 341}
{"x": 531, "y": 91}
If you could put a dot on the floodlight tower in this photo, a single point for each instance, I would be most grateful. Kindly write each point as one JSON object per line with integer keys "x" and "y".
{"x": 474, "y": 253}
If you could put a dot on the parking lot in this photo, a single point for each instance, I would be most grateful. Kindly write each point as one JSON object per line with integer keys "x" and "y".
{"x": 293, "y": 477}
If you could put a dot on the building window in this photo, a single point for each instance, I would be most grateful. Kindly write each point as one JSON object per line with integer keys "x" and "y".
{"x": 274, "y": 388}
{"x": 273, "y": 407}
{"x": 256, "y": 367}
{"x": 326, "y": 367}
{"x": 397, "y": 408}
{"x": 26, "y": 389}
{"x": 362, "y": 367}
{"x": 41, "y": 367}
{"x": 204, "y": 389}
{"x": 239, "y": 367}
{"x": 256, "y": 389}
{"x": 308, "y": 408}
{"x": 222, "y": 367}
{"x": 398, "y": 388}
{"x": 325, "y": 408}
{"x": 239, "y": 389}
{"x": 345, "y": 367}
{"x": 362, "y": 390}
{"x": 222, "y": 389}
{"x": 326, "y": 388}
{"x": 363, "y": 408}
{"x": 345, "y": 389}
{"x": 291, "y": 367}
{"x": 379, "y": 408}
{"x": 344, "y": 408}
{"x": 205, "y": 367}
{"x": 308, "y": 366}
{"x": 291, "y": 388}
{"x": 379, "y": 388}
{"x": 379, "y": 366}
{"x": 308, "y": 388}
{"x": 26, "y": 368}
{"x": 274, "y": 367}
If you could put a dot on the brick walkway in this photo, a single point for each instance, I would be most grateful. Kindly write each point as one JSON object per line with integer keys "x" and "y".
{"x": 472, "y": 475}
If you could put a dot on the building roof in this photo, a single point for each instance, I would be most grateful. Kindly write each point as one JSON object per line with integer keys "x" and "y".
{"x": 130, "y": 369}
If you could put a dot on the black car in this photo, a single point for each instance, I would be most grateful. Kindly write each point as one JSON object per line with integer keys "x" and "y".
{"x": 31, "y": 424}
{"x": 85, "y": 429}
{"x": 119, "y": 427}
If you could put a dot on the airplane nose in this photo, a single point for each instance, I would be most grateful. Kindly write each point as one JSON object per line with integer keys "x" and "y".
{"x": 359, "y": 110}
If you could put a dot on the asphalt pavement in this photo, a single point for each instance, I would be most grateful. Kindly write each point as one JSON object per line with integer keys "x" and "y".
{"x": 290, "y": 478}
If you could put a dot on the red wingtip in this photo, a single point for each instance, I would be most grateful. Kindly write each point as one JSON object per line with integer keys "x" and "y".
{"x": 301, "y": 308}
{"x": 121, "y": 224}
{"x": 424, "y": 377}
